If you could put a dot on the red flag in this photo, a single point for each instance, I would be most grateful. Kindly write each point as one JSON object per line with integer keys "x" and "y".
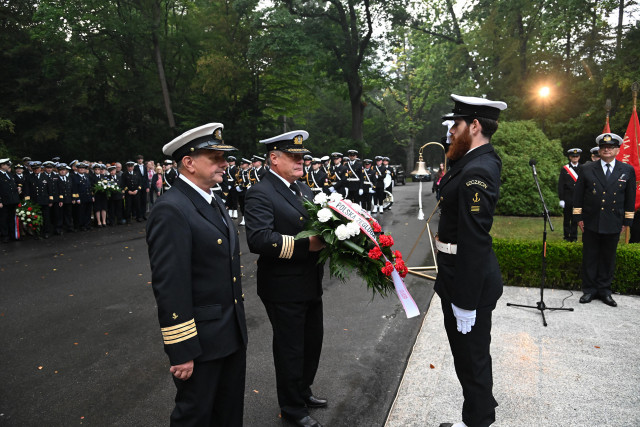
{"x": 629, "y": 150}
{"x": 606, "y": 129}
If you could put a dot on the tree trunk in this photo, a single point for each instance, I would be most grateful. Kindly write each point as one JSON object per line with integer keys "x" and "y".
{"x": 357, "y": 108}
{"x": 619, "y": 30}
{"x": 161, "y": 75}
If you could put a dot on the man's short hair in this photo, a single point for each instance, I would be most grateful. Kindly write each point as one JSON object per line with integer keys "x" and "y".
{"x": 489, "y": 127}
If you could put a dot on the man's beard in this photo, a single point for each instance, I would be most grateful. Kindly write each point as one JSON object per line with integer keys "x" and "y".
{"x": 460, "y": 145}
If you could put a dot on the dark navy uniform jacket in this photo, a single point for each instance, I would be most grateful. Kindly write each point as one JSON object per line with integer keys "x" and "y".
{"x": 8, "y": 190}
{"x": 81, "y": 187}
{"x": 605, "y": 205}
{"x": 287, "y": 271}
{"x": 41, "y": 190}
{"x": 566, "y": 184}
{"x": 469, "y": 193}
{"x": 196, "y": 277}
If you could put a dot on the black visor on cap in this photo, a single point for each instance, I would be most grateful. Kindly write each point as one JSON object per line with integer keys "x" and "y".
{"x": 461, "y": 110}
{"x": 207, "y": 142}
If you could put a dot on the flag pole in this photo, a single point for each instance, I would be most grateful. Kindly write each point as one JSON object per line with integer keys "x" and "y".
{"x": 634, "y": 89}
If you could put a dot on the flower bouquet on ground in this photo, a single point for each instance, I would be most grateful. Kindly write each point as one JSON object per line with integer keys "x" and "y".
{"x": 107, "y": 187}
{"x": 30, "y": 215}
{"x": 355, "y": 242}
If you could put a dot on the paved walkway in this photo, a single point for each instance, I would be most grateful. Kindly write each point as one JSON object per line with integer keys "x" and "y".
{"x": 583, "y": 369}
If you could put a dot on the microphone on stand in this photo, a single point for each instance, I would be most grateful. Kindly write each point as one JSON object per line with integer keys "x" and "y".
{"x": 532, "y": 163}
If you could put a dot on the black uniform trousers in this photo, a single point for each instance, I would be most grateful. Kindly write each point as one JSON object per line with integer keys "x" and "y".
{"x": 64, "y": 217}
{"x": 232, "y": 197}
{"x": 241, "y": 202}
{"x": 46, "y": 220}
{"x": 379, "y": 196}
{"x": 8, "y": 221}
{"x": 570, "y": 225}
{"x": 132, "y": 206}
{"x": 84, "y": 214}
{"x": 213, "y": 395}
{"x": 598, "y": 262}
{"x": 297, "y": 344}
{"x": 472, "y": 361}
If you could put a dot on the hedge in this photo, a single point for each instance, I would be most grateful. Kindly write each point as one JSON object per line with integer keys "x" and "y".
{"x": 521, "y": 265}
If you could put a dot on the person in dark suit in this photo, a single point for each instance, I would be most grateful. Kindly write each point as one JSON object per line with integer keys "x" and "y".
{"x": 9, "y": 200}
{"x": 195, "y": 269}
{"x": 170, "y": 174}
{"x": 566, "y": 184}
{"x": 243, "y": 183}
{"x": 603, "y": 206}
{"x": 20, "y": 179}
{"x": 40, "y": 193}
{"x": 64, "y": 219}
{"x": 380, "y": 172}
{"x": 232, "y": 194}
{"x": 132, "y": 189}
{"x": 83, "y": 195}
{"x": 469, "y": 282}
{"x": 289, "y": 277}
{"x": 369, "y": 182}
{"x": 316, "y": 178}
{"x": 337, "y": 175}
{"x": 140, "y": 170}
{"x": 257, "y": 172}
{"x": 353, "y": 173}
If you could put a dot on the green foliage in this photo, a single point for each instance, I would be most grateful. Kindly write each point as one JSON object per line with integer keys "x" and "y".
{"x": 516, "y": 143}
{"x": 521, "y": 265}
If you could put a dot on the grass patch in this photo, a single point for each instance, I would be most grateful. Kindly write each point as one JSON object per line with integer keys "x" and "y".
{"x": 531, "y": 228}
{"x": 527, "y": 228}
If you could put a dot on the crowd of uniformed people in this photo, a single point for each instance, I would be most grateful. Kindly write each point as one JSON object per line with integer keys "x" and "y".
{"x": 70, "y": 201}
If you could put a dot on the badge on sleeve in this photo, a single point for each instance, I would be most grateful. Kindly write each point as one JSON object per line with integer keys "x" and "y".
{"x": 475, "y": 203}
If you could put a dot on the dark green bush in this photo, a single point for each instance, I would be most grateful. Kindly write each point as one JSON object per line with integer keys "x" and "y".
{"x": 521, "y": 265}
{"x": 516, "y": 143}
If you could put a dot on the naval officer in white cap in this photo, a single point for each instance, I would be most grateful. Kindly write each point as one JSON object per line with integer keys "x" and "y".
{"x": 469, "y": 282}
{"x": 289, "y": 276}
{"x": 196, "y": 279}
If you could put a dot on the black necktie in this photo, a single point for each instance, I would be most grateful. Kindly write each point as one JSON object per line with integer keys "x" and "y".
{"x": 608, "y": 174}
{"x": 294, "y": 187}
{"x": 218, "y": 208}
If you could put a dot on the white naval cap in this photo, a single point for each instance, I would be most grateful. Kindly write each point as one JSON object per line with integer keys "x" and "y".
{"x": 289, "y": 142}
{"x": 205, "y": 137}
{"x": 609, "y": 139}
{"x": 471, "y": 106}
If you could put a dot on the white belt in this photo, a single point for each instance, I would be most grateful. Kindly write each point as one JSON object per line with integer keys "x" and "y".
{"x": 446, "y": 248}
{"x": 316, "y": 189}
{"x": 353, "y": 179}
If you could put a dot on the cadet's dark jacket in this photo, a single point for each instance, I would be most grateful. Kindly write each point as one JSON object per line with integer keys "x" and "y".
{"x": 40, "y": 189}
{"x": 21, "y": 182}
{"x": 369, "y": 179}
{"x": 287, "y": 271}
{"x": 566, "y": 184}
{"x": 65, "y": 189}
{"x": 381, "y": 172}
{"x": 316, "y": 179}
{"x": 256, "y": 174}
{"x": 82, "y": 188}
{"x": 8, "y": 190}
{"x": 605, "y": 205}
{"x": 171, "y": 176}
{"x": 196, "y": 277}
{"x": 337, "y": 177}
{"x": 469, "y": 192}
{"x": 132, "y": 181}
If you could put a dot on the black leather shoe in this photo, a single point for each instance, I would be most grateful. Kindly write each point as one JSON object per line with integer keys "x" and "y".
{"x": 315, "y": 402}
{"x": 307, "y": 421}
{"x": 446, "y": 425}
{"x": 609, "y": 301}
{"x": 586, "y": 298}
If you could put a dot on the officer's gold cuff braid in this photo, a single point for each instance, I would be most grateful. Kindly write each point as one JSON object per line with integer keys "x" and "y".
{"x": 178, "y": 333}
{"x": 628, "y": 215}
{"x": 287, "y": 247}
{"x": 577, "y": 211}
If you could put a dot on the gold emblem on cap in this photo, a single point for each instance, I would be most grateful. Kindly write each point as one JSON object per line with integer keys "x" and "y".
{"x": 607, "y": 138}
{"x": 218, "y": 134}
{"x": 175, "y": 316}
{"x": 297, "y": 140}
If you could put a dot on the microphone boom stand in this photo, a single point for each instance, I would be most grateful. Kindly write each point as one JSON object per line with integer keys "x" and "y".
{"x": 540, "y": 305}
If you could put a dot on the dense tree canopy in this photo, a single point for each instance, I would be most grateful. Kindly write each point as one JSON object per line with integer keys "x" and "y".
{"x": 104, "y": 80}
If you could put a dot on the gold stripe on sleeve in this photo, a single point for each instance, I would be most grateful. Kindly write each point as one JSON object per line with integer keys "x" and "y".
{"x": 577, "y": 211}
{"x": 628, "y": 215}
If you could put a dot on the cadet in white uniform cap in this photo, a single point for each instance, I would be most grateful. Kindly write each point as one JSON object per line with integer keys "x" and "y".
{"x": 603, "y": 205}
{"x": 196, "y": 278}
{"x": 289, "y": 276}
{"x": 469, "y": 282}
{"x": 566, "y": 184}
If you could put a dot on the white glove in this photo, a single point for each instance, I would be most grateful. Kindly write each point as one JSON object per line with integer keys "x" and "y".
{"x": 360, "y": 192}
{"x": 562, "y": 204}
{"x": 238, "y": 189}
{"x": 333, "y": 190}
{"x": 465, "y": 318}
{"x": 224, "y": 200}
{"x": 372, "y": 191}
